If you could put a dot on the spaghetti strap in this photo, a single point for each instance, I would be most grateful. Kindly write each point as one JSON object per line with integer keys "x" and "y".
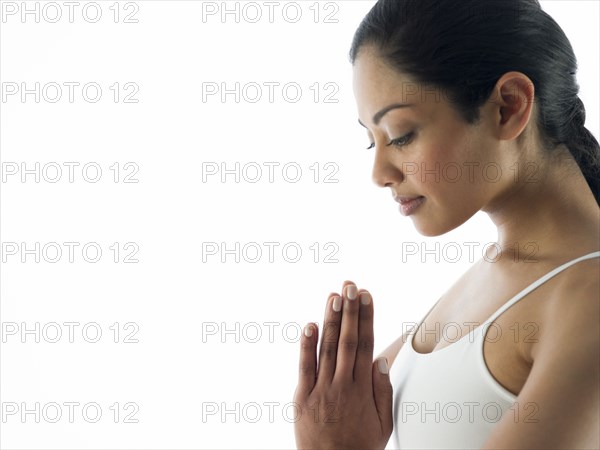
{"x": 539, "y": 282}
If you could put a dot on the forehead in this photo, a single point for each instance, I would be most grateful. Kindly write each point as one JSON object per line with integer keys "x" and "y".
{"x": 369, "y": 67}
{"x": 376, "y": 85}
{"x": 372, "y": 75}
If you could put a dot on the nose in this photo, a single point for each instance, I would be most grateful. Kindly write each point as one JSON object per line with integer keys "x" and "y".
{"x": 386, "y": 171}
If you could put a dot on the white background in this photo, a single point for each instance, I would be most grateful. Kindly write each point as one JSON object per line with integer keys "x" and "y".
{"x": 177, "y": 370}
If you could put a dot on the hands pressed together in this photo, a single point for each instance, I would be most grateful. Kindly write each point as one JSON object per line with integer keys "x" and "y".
{"x": 344, "y": 401}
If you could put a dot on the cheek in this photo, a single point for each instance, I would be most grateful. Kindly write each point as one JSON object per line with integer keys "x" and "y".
{"x": 444, "y": 161}
{"x": 450, "y": 171}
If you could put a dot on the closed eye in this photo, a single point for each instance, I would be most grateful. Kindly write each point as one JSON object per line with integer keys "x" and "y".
{"x": 402, "y": 141}
{"x": 398, "y": 142}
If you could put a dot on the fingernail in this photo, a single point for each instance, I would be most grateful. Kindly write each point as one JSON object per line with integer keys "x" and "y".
{"x": 337, "y": 303}
{"x": 351, "y": 292}
{"x": 365, "y": 298}
{"x": 382, "y": 365}
{"x": 308, "y": 330}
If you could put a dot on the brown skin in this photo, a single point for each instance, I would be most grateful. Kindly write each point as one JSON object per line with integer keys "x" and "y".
{"x": 349, "y": 403}
{"x": 547, "y": 202}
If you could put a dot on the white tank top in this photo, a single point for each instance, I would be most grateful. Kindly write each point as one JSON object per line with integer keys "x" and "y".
{"x": 448, "y": 399}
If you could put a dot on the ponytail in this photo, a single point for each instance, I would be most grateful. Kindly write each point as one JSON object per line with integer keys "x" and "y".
{"x": 584, "y": 147}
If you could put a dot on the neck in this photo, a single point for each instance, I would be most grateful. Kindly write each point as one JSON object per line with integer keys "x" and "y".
{"x": 547, "y": 211}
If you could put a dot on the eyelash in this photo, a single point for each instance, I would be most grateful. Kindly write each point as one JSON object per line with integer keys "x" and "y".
{"x": 407, "y": 138}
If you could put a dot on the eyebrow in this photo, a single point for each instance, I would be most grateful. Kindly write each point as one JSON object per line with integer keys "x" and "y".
{"x": 377, "y": 117}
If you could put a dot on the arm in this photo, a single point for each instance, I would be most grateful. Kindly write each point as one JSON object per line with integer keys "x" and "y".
{"x": 559, "y": 405}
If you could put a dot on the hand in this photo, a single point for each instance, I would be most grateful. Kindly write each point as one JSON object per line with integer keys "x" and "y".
{"x": 347, "y": 402}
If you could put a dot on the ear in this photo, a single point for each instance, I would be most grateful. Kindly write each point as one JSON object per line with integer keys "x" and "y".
{"x": 513, "y": 98}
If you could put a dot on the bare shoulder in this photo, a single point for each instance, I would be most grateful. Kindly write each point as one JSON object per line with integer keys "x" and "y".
{"x": 573, "y": 307}
{"x": 578, "y": 283}
{"x": 565, "y": 373}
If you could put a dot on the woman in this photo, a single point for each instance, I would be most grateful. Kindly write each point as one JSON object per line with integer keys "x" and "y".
{"x": 447, "y": 89}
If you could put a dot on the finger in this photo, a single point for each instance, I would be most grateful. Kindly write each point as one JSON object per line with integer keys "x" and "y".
{"x": 329, "y": 339}
{"x": 348, "y": 340}
{"x": 366, "y": 340}
{"x": 383, "y": 394}
{"x": 308, "y": 359}
{"x": 330, "y": 336}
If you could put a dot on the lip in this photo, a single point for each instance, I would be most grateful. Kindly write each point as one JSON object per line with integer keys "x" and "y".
{"x": 404, "y": 199}
{"x": 408, "y": 205}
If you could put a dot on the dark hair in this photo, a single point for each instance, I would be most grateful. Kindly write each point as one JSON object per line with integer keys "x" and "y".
{"x": 464, "y": 47}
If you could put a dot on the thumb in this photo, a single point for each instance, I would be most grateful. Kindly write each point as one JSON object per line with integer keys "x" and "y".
{"x": 382, "y": 392}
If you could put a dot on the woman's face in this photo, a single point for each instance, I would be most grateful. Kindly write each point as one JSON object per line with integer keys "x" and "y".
{"x": 456, "y": 168}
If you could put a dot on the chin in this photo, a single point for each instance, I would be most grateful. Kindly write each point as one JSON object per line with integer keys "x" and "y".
{"x": 430, "y": 228}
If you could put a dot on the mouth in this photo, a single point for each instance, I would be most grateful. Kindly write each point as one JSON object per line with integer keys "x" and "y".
{"x": 409, "y": 205}
{"x": 405, "y": 199}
